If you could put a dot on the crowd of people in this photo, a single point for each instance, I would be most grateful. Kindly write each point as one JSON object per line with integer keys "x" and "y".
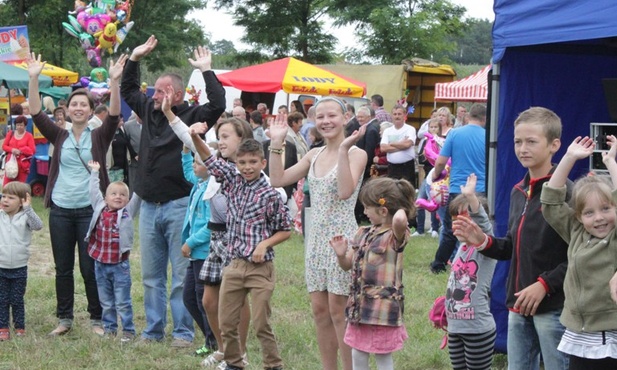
{"x": 219, "y": 191}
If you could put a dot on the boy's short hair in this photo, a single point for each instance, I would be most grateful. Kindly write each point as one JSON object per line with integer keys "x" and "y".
{"x": 550, "y": 122}
{"x": 461, "y": 202}
{"x": 118, "y": 183}
{"x": 250, "y": 146}
{"x": 256, "y": 117}
{"x": 19, "y": 189}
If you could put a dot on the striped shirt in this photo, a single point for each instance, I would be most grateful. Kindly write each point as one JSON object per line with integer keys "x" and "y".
{"x": 594, "y": 345}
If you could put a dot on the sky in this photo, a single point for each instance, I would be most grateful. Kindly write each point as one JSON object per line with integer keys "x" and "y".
{"x": 220, "y": 25}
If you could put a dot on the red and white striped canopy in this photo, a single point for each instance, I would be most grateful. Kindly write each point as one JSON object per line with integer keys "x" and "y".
{"x": 471, "y": 88}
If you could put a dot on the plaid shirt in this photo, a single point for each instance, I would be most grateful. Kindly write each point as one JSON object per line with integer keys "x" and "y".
{"x": 382, "y": 115}
{"x": 255, "y": 210}
{"x": 104, "y": 243}
{"x": 377, "y": 278}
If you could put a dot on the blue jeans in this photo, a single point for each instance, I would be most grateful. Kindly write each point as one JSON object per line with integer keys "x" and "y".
{"x": 193, "y": 301}
{"x": 447, "y": 240}
{"x": 421, "y": 217}
{"x": 160, "y": 234}
{"x": 114, "y": 284}
{"x": 528, "y": 336}
{"x": 68, "y": 227}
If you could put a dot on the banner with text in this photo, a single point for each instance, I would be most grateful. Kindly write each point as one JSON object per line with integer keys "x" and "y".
{"x": 14, "y": 43}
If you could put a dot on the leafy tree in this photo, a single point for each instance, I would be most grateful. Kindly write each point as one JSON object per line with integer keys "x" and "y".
{"x": 280, "y": 28}
{"x": 391, "y": 30}
{"x": 167, "y": 19}
{"x": 474, "y": 45}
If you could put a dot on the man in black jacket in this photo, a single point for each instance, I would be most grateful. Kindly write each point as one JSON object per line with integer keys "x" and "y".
{"x": 163, "y": 188}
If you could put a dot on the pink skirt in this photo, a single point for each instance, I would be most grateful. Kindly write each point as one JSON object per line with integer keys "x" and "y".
{"x": 375, "y": 338}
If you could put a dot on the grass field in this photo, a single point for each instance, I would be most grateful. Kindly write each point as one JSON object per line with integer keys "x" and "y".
{"x": 291, "y": 318}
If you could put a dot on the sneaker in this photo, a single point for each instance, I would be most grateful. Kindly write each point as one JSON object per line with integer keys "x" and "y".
{"x": 20, "y": 333}
{"x": 202, "y": 352}
{"x": 223, "y": 365}
{"x": 181, "y": 343}
{"x": 127, "y": 337}
{"x": 229, "y": 367}
{"x": 98, "y": 330}
{"x": 59, "y": 331}
{"x": 214, "y": 359}
{"x": 434, "y": 234}
{"x": 143, "y": 341}
{"x": 5, "y": 335}
{"x": 416, "y": 234}
{"x": 437, "y": 270}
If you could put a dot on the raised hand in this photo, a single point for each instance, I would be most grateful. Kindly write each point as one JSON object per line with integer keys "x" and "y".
{"x": 199, "y": 127}
{"x": 612, "y": 142}
{"x": 115, "y": 69}
{"x": 353, "y": 138}
{"x": 167, "y": 99}
{"x": 25, "y": 202}
{"x": 203, "y": 59}
{"x": 464, "y": 227}
{"x": 94, "y": 165}
{"x": 144, "y": 49}
{"x": 469, "y": 188}
{"x": 581, "y": 147}
{"x": 35, "y": 66}
{"x": 278, "y": 128}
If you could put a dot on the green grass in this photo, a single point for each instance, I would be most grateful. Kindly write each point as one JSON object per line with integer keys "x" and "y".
{"x": 291, "y": 318}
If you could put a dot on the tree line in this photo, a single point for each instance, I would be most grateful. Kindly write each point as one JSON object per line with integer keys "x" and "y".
{"x": 388, "y": 31}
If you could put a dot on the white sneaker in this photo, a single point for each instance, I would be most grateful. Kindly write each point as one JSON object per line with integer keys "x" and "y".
{"x": 213, "y": 359}
{"x": 434, "y": 234}
{"x": 416, "y": 234}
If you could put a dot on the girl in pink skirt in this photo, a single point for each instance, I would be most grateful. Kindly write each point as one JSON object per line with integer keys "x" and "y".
{"x": 375, "y": 306}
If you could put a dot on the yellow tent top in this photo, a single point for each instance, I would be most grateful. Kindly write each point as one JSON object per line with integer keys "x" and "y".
{"x": 60, "y": 76}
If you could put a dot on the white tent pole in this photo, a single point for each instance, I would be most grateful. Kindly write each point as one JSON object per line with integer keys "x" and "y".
{"x": 491, "y": 175}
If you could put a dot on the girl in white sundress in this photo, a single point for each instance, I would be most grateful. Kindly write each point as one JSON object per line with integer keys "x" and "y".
{"x": 334, "y": 175}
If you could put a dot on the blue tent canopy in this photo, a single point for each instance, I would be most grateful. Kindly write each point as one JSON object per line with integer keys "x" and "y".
{"x": 549, "y": 53}
{"x": 554, "y": 54}
{"x": 524, "y": 22}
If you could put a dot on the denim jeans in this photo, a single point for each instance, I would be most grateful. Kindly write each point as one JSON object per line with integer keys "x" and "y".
{"x": 193, "y": 301}
{"x": 528, "y": 336}
{"x": 114, "y": 284}
{"x": 421, "y": 217}
{"x": 68, "y": 227}
{"x": 447, "y": 240}
{"x": 160, "y": 234}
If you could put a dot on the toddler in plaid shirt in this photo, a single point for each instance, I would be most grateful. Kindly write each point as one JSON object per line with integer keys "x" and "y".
{"x": 257, "y": 220}
{"x": 110, "y": 239}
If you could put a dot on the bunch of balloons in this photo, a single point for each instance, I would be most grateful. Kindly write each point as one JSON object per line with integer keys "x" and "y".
{"x": 194, "y": 95}
{"x": 100, "y": 25}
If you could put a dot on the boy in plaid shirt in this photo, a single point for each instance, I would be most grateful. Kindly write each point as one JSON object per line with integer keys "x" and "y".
{"x": 257, "y": 220}
{"x": 110, "y": 239}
